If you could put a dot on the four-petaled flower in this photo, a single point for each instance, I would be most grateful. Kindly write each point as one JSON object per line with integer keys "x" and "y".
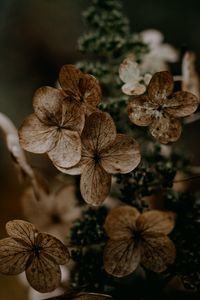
{"x": 136, "y": 238}
{"x": 38, "y": 254}
{"x": 161, "y": 109}
{"x": 130, "y": 73}
{"x": 104, "y": 152}
{"x": 54, "y": 127}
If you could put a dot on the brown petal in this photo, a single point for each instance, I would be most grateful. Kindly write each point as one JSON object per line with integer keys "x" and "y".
{"x": 43, "y": 274}
{"x": 53, "y": 248}
{"x": 73, "y": 116}
{"x": 157, "y": 252}
{"x": 122, "y": 156}
{"x": 141, "y": 111}
{"x": 22, "y": 230}
{"x": 35, "y": 136}
{"x": 156, "y": 221}
{"x": 181, "y": 104}
{"x": 95, "y": 184}
{"x": 91, "y": 91}
{"x": 99, "y": 131}
{"x": 67, "y": 151}
{"x": 69, "y": 77}
{"x": 121, "y": 257}
{"x": 120, "y": 222}
{"x": 13, "y": 256}
{"x": 166, "y": 129}
{"x": 47, "y": 104}
{"x": 160, "y": 87}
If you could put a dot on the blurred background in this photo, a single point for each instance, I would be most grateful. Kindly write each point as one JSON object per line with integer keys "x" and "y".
{"x": 36, "y": 38}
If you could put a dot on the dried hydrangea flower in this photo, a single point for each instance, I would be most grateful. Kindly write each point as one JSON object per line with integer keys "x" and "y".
{"x": 104, "y": 152}
{"x": 136, "y": 239}
{"x": 161, "y": 109}
{"x": 190, "y": 78}
{"x": 81, "y": 88}
{"x": 159, "y": 53}
{"x": 54, "y": 213}
{"x": 134, "y": 82}
{"x": 38, "y": 254}
{"x": 54, "y": 127}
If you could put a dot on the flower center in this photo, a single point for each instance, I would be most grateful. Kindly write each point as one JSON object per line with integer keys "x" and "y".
{"x": 55, "y": 218}
{"x": 96, "y": 157}
{"x": 36, "y": 249}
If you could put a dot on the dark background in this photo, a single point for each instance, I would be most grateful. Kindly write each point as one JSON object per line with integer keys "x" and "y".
{"x": 36, "y": 38}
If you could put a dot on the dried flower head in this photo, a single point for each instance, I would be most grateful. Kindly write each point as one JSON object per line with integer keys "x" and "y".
{"x": 38, "y": 254}
{"x": 161, "y": 109}
{"x": 136, "y": 238}
{"x": 104, "y": 152}
{"x": 54, "y": 127}
{"x": 130, "y": 74}
{"x": 54, "y": 213}
{"x": 159, "y": 53}
{"x": 81, "y": 88}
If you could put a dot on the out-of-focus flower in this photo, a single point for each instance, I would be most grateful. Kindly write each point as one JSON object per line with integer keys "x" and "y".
{"x": 18, "y": 156}
{"x": 54, "y": 213}
{"x": 136, "y": 239}
{"x": 84, "y": 89}
{"x": 130, "y": 73}
{"x": 38, "y": 254}
{"x": 190, "y": 78}
{"x": 161, "y": 109}
{"x": 159, "y": 53}
{"x": 54, "y": 127}
{"x": 104, "y": 152}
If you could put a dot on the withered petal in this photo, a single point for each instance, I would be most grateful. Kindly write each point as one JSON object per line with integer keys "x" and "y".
{"x": 157, "y": 252}
{"x": 43, "y": 274}
{"x": 69, "y": 78}
{"x": 47, "y": 104}
{"x": 13, "y": 256}
{"x": 99, "y": 132}
{"x": 121, "y": 222}
{"x": 181, "y": 104}
{"x": 160, "y": 87}
{"x": 90, "y": 90}
{"x": 53, "y": 248}
{"x": 36, "y": 137}
{"x": 133, "y": 89}
{"x": 121, "y": 257}
{"x": 67, "y": 151}
{"x": 95, "y": 184}
{"x": 23, "y": 230}
{"x": 141, "y": 111}
{"x": 166, "y": 129}
{"x": 122, "y": 156}
{"x": 73, "y": 116}
{"x": 156, "y": 221}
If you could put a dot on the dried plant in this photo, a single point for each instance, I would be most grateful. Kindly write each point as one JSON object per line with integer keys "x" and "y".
{"x": 139, "y": 242}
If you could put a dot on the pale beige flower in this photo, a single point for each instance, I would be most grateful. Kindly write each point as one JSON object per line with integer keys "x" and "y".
{"x": 38, "y": 254}
{"x": 161, "y": 109}
{"x": 54, "y": 213}
{"x": 54, "y": 127}
{"x": 190, "y": 77}
{"x": 136, "y": 239}
{"x": 159, "y": 55}
{"x": 81, "y": 88}
{"x": 134, "y": 81}
{"x": 104, "y": 152}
